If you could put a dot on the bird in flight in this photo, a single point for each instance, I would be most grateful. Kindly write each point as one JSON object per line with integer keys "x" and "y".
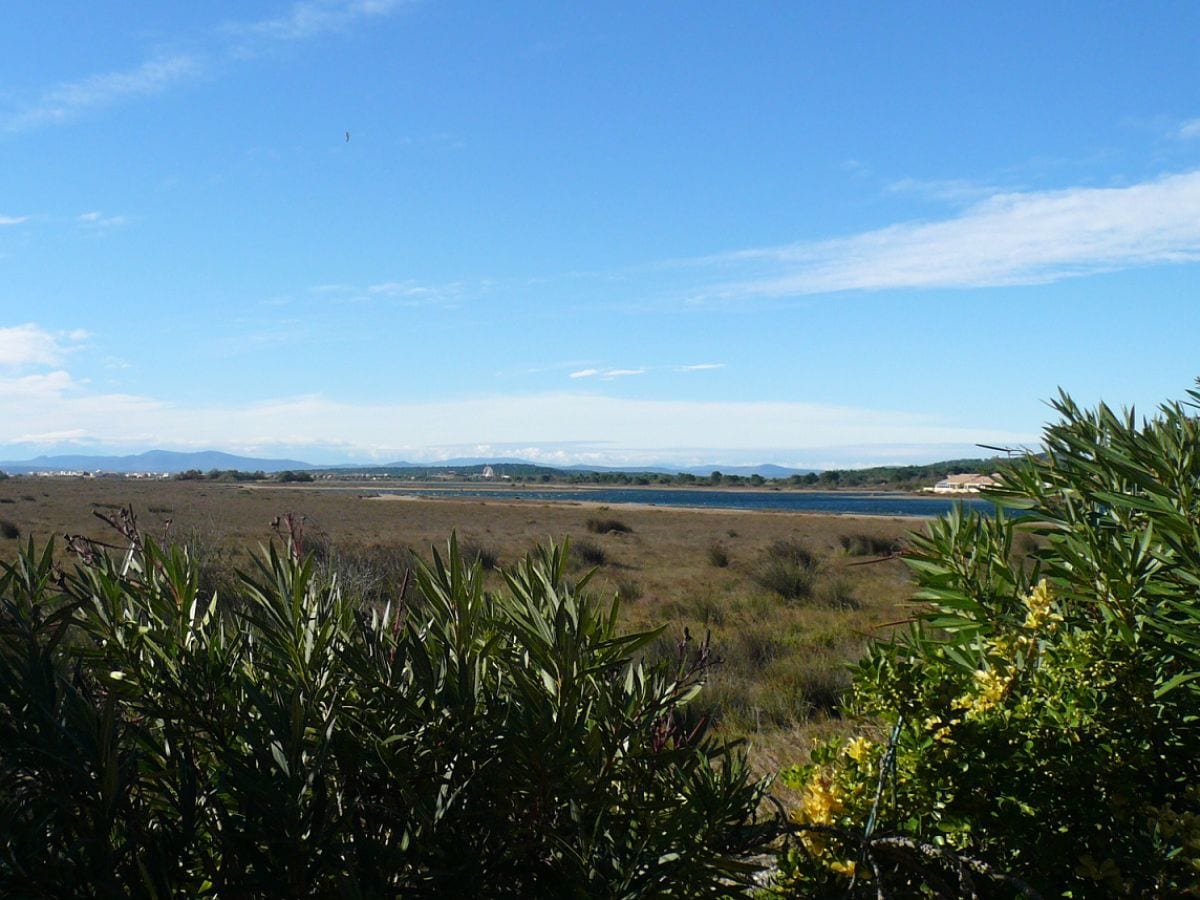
{"x": 347, "y": 137}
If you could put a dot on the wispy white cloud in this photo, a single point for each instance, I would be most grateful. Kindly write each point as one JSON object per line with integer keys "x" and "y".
{"x": 29, "y": 345}
{"x": 41, "y": 387}
{"x": 1190, "y": 129}
{"x": 12, "y": 220}
{"x": 1014, "y": 238}
{"x": 607, "y": 374}
{"x": 400, "y": 293}
{"x": 412, "y": 293}
{"x": 98, "y": 221}
{"x": 308, "y": 20}
{"x": 70, "y": 436}
{"x": 948, "y": 190}
{"x": 70, "y": 99}
{"x": 610, "y": 373}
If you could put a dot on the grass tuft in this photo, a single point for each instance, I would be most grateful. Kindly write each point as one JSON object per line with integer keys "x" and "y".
{"x": 862, "y": 544}
{"x": 587, "y": 553}
{"x": 474, "y": 551}
{"x": 628, "y": 589}
{"x": 836, "y": 593}
{"x": 787, "y": 568}
{"x": 607, "y": 526}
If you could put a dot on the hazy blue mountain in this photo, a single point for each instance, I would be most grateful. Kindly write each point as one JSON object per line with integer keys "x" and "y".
{"x": 174, "y": 461}
{"x": 152, "y": 461}
{"x": 467, "y": 461}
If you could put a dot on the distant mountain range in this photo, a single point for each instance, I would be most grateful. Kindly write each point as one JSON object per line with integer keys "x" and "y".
{"x": 151, "y": 461}
{"x": 766, "y": 470}
{"x": 173, "y": 462}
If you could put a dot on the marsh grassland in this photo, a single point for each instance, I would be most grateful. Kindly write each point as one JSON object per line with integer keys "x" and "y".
{"x": 788, "y": 598}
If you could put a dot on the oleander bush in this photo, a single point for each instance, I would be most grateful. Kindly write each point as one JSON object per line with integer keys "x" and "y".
{"x": 1036, "y": 728}
{"x": 158, "y": 740}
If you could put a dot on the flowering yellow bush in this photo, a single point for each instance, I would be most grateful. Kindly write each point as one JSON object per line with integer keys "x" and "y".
{"x": 1044, "y": 707}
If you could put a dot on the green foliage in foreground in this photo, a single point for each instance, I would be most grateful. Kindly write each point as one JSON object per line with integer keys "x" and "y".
{"x": 157, "y": 742}
{"x": 1040, "y": 720}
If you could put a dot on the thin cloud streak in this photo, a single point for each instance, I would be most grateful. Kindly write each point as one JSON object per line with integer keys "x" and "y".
{"x": 949, "y": 190}
{"x": 304, "y": 21}
{"x": 69, "y": 100}
{"x": 607, "y": 374}
{"x": 1008, "y": 239}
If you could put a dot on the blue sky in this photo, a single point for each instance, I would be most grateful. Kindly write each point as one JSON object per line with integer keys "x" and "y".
{"x": 810, "y": 234}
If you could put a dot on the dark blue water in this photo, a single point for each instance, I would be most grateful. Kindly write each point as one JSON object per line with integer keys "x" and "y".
{"x": 863, "y": 504}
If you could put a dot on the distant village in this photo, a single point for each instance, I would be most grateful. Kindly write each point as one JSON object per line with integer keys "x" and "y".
{"x": 967, "y": 483}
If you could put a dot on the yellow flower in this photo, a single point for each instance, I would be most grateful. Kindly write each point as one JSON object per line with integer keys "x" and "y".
{"x": 820, "y": 802}
{"x": 990, "y": 685}
{"x": 846, "y": 867}
{"x": 859, "y": 750}
{"x": 1039, "y": 605}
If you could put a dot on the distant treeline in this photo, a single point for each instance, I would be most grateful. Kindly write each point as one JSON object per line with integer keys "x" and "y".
{"x": 876, "y": 478}
{"x": 900, "y": 477}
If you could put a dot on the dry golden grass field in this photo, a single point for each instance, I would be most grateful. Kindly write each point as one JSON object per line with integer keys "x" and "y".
{"x": 783, "y": 658}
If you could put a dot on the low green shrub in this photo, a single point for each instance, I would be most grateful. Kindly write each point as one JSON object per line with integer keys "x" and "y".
{"x": 9, "y": 530}
{"x": 156, "y": 740}
{"x": 718, "y": 555}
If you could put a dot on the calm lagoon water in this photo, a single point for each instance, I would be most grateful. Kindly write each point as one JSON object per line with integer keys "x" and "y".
{"x": 868, "y": 504}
